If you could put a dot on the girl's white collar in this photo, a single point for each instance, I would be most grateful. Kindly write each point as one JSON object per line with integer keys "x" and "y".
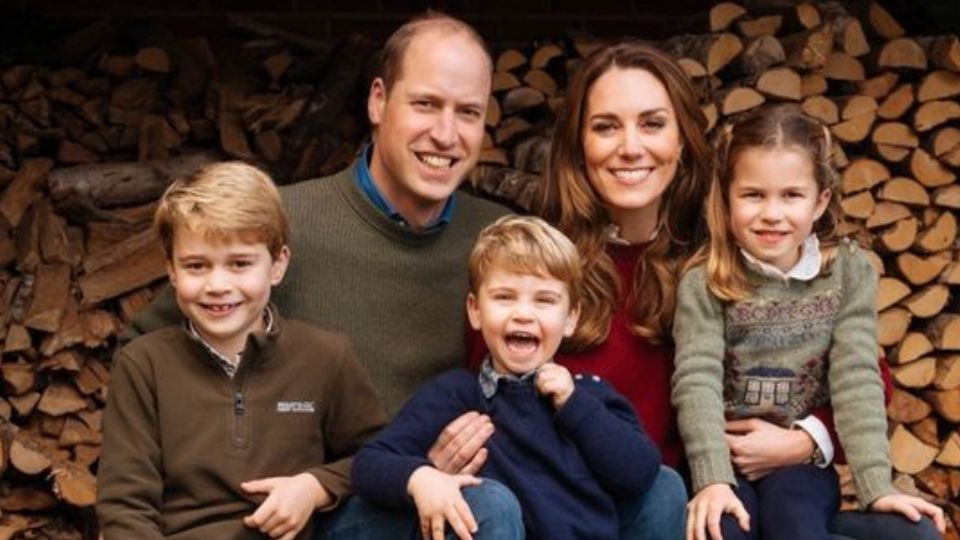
{"x": 807, "y": 268}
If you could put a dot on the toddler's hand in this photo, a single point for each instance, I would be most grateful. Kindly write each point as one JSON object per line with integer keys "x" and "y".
{"x": 439, "y": 501}
{"x": 707, "y": 507}
{"x": 555, "y": 381}
{"x": 911, "y": 507}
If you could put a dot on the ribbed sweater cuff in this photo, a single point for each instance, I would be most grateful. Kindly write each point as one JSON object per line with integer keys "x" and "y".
{"x": 334, "y": 484}
{"x": 872, "y": 484}
{"x": 711, "y": 469}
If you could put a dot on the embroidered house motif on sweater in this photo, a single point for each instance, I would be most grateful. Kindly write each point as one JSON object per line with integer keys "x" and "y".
{"x": 772, "y": 389}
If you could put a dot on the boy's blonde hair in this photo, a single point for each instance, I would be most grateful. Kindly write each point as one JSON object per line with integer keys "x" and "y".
{"x": 222, "y": 200}
{"x": 527, "y": 245}
{"x": 774, "y": 127}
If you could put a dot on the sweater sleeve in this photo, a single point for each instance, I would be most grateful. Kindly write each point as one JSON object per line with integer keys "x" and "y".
{"x": 697, "y": 385}
{"x": 856, "y": 389}
{"x": 611, "y": 441}
{"x": 130, "y": 477}
{"x": 353, "y": 417}
{"x": 383, "y": 466}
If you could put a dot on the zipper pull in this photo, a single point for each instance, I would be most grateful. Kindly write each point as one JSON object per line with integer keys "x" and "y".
{"x": 239, "y": 406}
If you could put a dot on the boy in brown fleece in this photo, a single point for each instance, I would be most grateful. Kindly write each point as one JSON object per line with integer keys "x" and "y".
{"x": 238, "y": 423}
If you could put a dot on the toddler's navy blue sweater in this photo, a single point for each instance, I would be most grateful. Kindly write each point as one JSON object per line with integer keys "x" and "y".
{"x": 567, "y": 468}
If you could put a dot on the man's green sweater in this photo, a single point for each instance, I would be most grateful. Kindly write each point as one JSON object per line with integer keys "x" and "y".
{"x": 789, "y": 347}
{"x": 398, "y": 294}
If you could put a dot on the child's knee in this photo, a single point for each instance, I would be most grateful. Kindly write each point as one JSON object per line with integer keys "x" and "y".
{"x": 491, "y": 499}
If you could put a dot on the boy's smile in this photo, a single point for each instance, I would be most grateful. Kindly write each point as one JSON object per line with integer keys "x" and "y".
{"x": 523, "y": 318}
{"x": 222, "y": 285}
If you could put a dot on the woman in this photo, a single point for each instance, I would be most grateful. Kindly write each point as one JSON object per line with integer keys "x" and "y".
{"x": 628, "y": 173}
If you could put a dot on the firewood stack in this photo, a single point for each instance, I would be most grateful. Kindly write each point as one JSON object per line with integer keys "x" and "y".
{"x": 86, "y": 151}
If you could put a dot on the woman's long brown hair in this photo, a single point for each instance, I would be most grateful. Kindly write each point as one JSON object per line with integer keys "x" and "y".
{"x": 570, "y": 201}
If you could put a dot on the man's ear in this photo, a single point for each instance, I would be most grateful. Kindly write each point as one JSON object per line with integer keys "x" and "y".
{"x": 473, "y": 311}
{"x": 376, "y": 101}
{"x": 278, "y": 268}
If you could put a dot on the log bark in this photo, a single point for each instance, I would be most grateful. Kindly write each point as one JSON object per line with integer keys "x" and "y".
{"x": 85, "y": 190}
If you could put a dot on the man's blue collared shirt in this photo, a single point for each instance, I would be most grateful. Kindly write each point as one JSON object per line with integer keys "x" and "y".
{"x": 369, "y": 189}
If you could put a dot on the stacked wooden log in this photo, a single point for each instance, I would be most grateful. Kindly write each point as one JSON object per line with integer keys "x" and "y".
{"x": 892, "y": 103}
{"x": 85, "y": 152}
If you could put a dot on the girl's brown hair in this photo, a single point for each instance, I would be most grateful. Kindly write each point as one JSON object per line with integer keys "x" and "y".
{"x": 785, "y": 127}
{"x": 570, "y": 201}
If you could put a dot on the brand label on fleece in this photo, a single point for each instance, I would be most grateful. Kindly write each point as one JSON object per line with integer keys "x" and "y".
{"x": 296, "y": 407}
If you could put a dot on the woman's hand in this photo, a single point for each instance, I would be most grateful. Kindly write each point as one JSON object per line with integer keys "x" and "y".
{"x": 758, "y": 447}
{"x": 707, "y": 507}
{"x": 911, "y": 507}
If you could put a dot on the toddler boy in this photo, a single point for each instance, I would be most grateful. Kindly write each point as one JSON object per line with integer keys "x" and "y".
{"x": 567, "y": 448}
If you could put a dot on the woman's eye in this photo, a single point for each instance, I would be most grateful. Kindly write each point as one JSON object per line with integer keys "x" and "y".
{"x": 603, "y": 128}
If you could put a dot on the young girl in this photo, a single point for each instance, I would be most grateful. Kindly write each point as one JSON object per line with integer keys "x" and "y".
{"x": 774, "y": 319}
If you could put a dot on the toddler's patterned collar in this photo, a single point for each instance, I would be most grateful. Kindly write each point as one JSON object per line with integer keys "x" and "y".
{"x": 489, "y": 379}
{"x": 807, "y": 268}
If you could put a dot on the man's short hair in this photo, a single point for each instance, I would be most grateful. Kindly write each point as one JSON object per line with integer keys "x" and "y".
{"x": 526, "y": 245}
{"x": 224, "y": 200}
{"x": 392, "y": 55}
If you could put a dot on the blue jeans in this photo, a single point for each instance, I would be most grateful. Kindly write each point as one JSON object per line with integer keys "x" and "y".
{"x": 658, "y": 514}
{"x": 493, "y": 505}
